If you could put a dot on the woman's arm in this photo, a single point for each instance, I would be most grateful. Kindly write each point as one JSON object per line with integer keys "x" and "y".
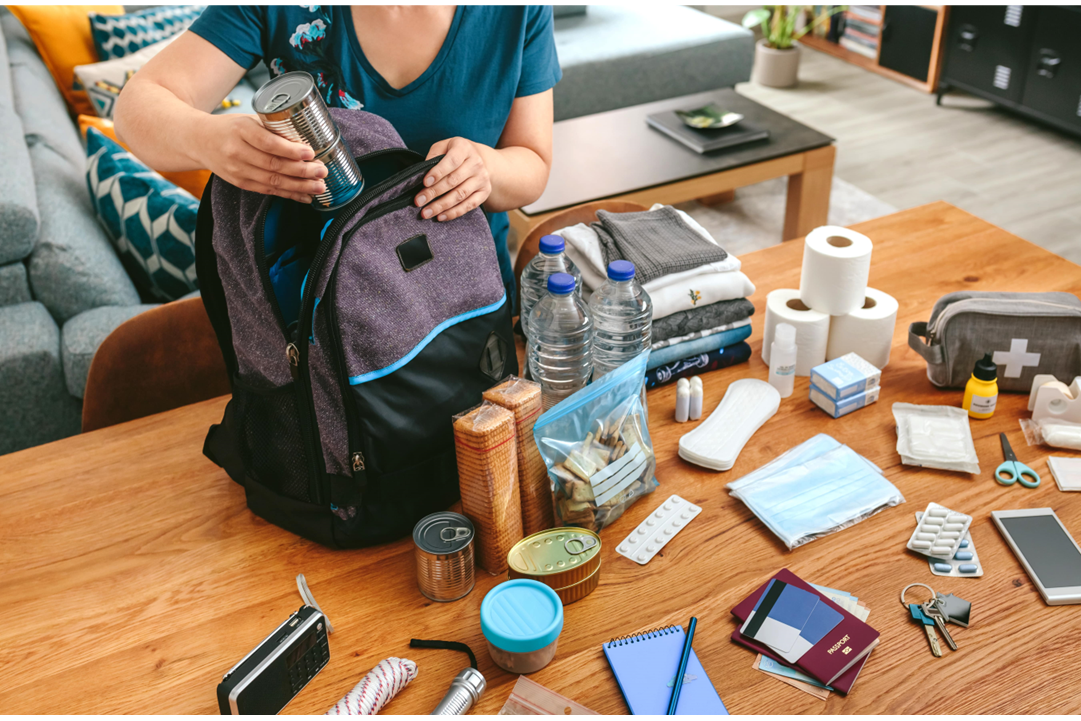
{"x": 508, "y": 176}
{"x": 163, "y": 115}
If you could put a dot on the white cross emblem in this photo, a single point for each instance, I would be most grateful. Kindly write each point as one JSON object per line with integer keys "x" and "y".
{"x": 1016, "y": 358}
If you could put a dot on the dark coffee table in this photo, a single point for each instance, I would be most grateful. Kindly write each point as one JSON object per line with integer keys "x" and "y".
{"x": 616, "y": 155}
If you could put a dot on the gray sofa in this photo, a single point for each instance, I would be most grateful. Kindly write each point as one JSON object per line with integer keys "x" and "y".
{"x": 62, "y": 287}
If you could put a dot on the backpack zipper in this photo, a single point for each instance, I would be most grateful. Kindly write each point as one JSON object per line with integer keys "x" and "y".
{"x": 304, "y": 326}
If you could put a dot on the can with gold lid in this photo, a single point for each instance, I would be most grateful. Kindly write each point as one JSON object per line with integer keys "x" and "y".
{"x": 568, "y": 560}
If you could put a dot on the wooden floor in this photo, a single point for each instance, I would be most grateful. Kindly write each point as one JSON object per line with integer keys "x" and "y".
{"x": 894, "y": 143}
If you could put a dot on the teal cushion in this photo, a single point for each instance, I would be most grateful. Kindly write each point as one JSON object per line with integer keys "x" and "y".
{"x": 150, "y": 220}
{"x": 118, "y": 35}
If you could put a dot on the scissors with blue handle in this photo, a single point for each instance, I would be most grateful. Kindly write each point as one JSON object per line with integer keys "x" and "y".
{"x": 1013, "y": 470}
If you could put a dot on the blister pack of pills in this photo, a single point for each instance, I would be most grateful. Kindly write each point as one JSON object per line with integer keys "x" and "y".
{"x": 657, "y": 530}
{"x": 964, "y": 564}
{"x": 939, "y": 532}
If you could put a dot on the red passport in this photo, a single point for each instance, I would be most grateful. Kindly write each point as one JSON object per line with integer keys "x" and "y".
{"x": 837, "y": 659}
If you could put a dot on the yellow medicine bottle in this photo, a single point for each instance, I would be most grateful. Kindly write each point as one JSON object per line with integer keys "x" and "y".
{"x": 981, "y": 391}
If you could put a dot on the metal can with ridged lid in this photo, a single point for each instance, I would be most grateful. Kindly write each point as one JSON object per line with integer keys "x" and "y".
{"x": 443, "y": 548}
{"x": 568, "y": 560}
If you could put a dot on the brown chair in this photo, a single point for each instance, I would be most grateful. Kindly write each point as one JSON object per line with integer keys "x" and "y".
{"x": 162, "y": 359}
{"x": 586, "y": 213}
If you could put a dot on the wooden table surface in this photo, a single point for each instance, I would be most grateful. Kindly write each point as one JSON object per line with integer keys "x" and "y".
{"x": 132, "y": 576}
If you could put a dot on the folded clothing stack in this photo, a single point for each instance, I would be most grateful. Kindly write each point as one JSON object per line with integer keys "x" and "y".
{"x": 701, "y": 315}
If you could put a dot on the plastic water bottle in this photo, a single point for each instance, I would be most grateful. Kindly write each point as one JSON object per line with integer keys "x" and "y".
{"x": 534, "y": 281}
{"x": 622, "y": 318}
{"x": 561, "y": 343}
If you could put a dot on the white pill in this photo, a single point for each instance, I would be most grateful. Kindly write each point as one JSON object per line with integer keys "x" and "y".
{"x": 642, "y": 556}
{"x": 925, "y": 536}
{"x": 695, "y": 509}
{"x": 685, "y": 514}
{"x": 659, "y": 514}
{"x": 651, "y": 522}
{"x": 632, "y": 540}
{"x": 921, "y": 544}
{"x": 651, "y": 548}
{"x": 642, "y": 531}
{"x": 623, "y": 548}
{"x": 667, "y": 507}
{"x": 938, "y": 512}
{"x": 953, "y": 527}
{"x": 675, "y": 500}
{"x": 949, "y": 536}
{"x": 956, "y": 518}
{"x": 942, "y": 549}
{"x": 668, "y": 531}
{"x": 677, "y": 523}
{"x": 933, "y": 522}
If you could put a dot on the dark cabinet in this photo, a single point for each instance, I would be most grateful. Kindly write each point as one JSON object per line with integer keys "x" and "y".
{"x": 907, "y": 39}
{"x": 1027, "y": 58}
{"x": 988, "y": 47}
{"x": 1053, "y": 80}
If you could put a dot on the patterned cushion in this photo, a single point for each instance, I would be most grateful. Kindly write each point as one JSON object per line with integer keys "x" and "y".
{"x": 150, "y": 220}
{"x": 103, "y": 81}
{"x": 118, "y": 35}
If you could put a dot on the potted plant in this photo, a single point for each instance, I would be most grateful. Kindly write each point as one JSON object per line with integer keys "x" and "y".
{"x": 776, "y": 59}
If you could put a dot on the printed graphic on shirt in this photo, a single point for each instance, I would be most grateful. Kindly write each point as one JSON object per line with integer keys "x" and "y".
{"x": 307, "y": 39}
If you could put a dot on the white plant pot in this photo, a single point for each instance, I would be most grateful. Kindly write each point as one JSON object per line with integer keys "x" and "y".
{"x": 776, "y": 68}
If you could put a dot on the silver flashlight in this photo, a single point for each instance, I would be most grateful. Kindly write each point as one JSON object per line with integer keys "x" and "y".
{"x": 465, "y": 690}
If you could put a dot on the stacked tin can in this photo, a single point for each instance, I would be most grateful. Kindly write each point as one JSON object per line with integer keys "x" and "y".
{"x": 290, "y": 106}
{"x": 567, "y": 560}
{"x": 443, "y": 547}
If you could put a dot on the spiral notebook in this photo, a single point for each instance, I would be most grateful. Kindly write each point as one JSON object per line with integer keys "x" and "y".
{"x": 645, "y": 667}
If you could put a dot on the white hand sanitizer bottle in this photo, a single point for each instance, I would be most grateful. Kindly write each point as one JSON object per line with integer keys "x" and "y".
{"x": 782, "y": 359}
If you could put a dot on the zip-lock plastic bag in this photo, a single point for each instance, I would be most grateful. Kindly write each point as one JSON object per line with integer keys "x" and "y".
{"x": 1052, "y": 432}
{"x": 529, "y": 698}
{"x": 597, "y": 449}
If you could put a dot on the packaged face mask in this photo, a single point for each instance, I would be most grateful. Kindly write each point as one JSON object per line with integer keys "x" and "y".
{"x": 815, "y": 489}
{"x": 935, "y": 437}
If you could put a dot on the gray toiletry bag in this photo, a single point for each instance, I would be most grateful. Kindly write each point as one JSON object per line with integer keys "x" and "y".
{"x": 1028, "y": 333}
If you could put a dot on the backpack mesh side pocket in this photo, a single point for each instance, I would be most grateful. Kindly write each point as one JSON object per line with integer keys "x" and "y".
{"x": 271, "y": 442}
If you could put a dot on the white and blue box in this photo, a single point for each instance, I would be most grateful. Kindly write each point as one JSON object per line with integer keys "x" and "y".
{"x": 846, "y": 405}
{"x": 845, "y": 376}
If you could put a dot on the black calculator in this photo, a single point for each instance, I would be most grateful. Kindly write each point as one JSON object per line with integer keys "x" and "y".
{"x": 271, "y": 675}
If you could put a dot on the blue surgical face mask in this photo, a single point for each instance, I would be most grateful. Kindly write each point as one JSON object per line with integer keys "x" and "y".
{"x": 817, "y": 488}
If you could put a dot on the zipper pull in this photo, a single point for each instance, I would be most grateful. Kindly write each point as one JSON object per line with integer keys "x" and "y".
{"x": 293, "y": 355}
{"x": 358, "y": 462}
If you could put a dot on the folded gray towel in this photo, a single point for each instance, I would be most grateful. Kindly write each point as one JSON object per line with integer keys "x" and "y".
{"x": 658, "y": 242}
{"x": 701, "y": 318}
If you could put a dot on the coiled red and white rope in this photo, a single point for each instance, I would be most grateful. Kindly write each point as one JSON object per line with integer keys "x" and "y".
{"x": 373, "y": 692}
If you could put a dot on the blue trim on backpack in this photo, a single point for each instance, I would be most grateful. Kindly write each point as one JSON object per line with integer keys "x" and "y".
{"x": 373, "y": 375}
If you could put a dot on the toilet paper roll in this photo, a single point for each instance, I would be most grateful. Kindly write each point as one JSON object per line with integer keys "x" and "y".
{"x": 866, "y": 331}
{"x": 836, "y": 262}
{"x": 812, "y": 328}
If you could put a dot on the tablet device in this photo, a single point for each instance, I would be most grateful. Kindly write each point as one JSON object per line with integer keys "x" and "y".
{"x": 1050, "y": 556}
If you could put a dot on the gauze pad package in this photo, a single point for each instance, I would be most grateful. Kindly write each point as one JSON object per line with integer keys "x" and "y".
{"x": 815, "y": 489}
{"x": 935, "y": 437}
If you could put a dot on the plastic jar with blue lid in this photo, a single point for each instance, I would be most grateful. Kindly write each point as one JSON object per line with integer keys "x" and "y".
{"x": 521, "y": 621}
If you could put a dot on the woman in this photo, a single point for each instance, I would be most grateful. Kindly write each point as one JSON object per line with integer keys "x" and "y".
{"x": 472, "y": 83}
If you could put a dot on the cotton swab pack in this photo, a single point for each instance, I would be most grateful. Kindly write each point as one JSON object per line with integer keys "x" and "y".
{"x": 716, "y": 443}
{"x": 658, "y": 529}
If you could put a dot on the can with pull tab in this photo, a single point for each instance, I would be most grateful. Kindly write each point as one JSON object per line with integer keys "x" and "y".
{"x": 443, "y": 547}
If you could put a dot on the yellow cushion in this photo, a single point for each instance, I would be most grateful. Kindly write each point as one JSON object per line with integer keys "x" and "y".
{"x": 193, "y": 181}
{"x": 62, "y": 36}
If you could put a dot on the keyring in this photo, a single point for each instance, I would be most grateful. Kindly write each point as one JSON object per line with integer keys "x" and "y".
{"x": 903, "y": 590}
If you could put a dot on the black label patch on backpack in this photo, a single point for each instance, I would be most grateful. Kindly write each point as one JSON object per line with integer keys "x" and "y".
{"x": 493, "y": 359}
{"x": 414, "y": 252}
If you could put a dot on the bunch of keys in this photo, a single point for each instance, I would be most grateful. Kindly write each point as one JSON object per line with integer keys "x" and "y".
{"x": 937, "y": 612}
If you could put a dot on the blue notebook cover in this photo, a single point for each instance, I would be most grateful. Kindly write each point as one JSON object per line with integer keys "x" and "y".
{"x": 645, "y": 667}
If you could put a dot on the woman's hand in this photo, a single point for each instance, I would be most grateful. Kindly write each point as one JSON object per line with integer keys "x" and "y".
{"x": 457, "y": 184}
{"x": 238, "y": 149}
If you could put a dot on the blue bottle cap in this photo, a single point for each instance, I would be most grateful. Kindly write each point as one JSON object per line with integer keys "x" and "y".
{"x": 521, "y": 616}
{"x": 621, "y": 270}
{"x": 561, "y": 283}
{"x": 551, "y": 244}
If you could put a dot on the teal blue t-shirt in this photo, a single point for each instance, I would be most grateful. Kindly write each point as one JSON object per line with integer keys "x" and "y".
{"x": 492, "y": 54}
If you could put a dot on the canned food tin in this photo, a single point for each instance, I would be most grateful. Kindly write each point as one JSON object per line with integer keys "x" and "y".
{"x": 443, "y": 547}
{"x": 290, "y": 106}
{"x": 578, "y": 591}
{"x": 560, "y": 558}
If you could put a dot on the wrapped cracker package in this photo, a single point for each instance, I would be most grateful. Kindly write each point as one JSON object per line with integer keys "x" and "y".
{"x": 597, "y": 449}
{"x": 523, "y": 398}
{"x": 484, "y": 443}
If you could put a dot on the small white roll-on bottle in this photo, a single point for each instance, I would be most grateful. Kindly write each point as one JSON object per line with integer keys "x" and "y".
{"x": 782, "y": 359}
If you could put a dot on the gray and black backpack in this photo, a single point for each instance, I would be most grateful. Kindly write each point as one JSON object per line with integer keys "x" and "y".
{"x": 351, "y": 338}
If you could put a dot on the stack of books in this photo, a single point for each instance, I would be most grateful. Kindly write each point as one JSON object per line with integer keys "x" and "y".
{"x": 862, "y": 27}
{"x": 805, "y": 633}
